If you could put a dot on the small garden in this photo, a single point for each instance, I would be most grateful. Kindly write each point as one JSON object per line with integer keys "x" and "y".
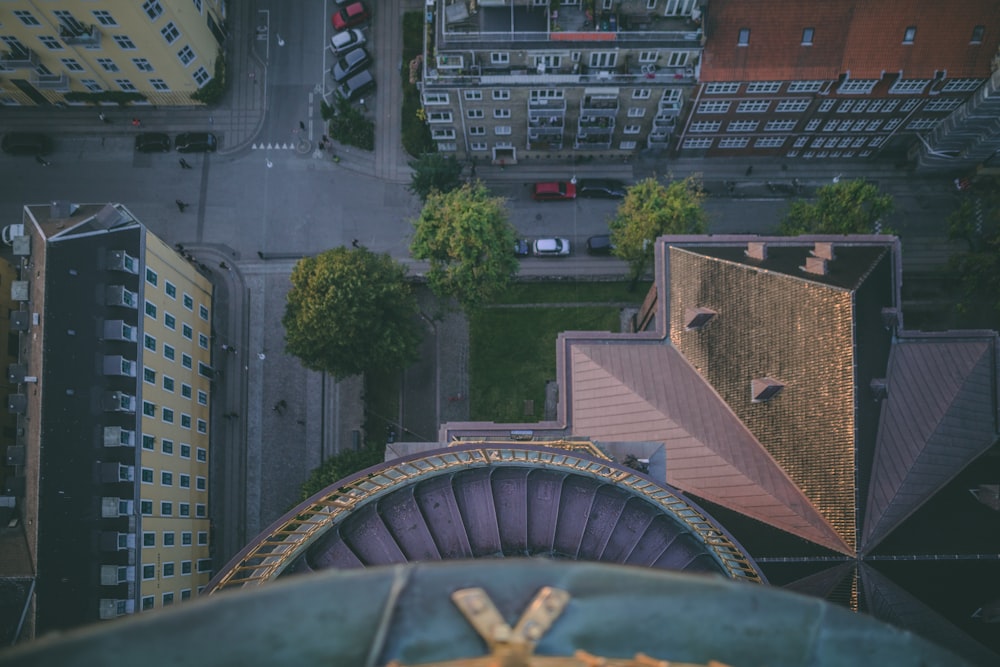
{"x": 416, "y": 135}
{"x": 348, "y": 125}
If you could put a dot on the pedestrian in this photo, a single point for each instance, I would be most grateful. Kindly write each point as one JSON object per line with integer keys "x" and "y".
{"x": 104, "y": 119}
{"x": 356, "y": 243}
{"x": 325, "y": 138}
{"x": 225, "y": 348}
{"x": 184, "y": 164}
{"x": 302, "y": 125}
{"x": 136, "y": 122}
{"x": 180, "y": 207}
{"x": 42, "y": 161}
{"x": 179, "y": 247}
{"x": 260, "y": 254}
{"x": 749, "y": 170}
{"x": 223, "y": 266}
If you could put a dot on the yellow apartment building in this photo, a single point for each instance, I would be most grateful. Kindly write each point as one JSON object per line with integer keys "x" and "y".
{"x": 78, "y": 52}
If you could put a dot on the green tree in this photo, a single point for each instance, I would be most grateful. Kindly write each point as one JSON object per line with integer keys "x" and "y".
{"x": 341, "y": 465}
{"x": 466, "y": 237}
{"x": 434, "y": 171}
{"x": 976, "y": 221}
{"x": 847, "y": 207}
{"x": 350, "y": 311}
{"x": 652, "y": 209}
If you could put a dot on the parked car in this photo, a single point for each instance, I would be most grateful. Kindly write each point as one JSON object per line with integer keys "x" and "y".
{"x": 555, "y": 247}
{"x": 600, "y": 245}
{"x": 26, "y": 143}
{"x": 350, "y": 16}
{"x": 350, "y": 63}
{"x": 357, "y": 85}
{"x": 196, "y": 142}
{"x": 346, "y": 40}
{"x": 522, "y": 248}
{"x": 600, "y": 188}
{"x": 152, "y": 142}
{"x": 553, "y": 191}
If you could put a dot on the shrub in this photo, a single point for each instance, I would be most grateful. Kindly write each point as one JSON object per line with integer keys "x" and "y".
{"x": 119, "y": 97}
{"x": 212, "y": 92}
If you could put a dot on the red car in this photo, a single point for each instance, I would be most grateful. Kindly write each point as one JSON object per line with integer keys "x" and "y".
{"x": 554, "y": 191}
{"x": 350, "y": 16}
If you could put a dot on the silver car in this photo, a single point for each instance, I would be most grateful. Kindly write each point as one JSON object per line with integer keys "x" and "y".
{"x": 350, "y": 63}
{"x": 345, "y": 40}
{"x": 556, "y": 247}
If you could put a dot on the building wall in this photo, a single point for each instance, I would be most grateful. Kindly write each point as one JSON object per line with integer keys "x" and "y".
{"x": 164, "y": 50}
{"x": 175, "y": 445}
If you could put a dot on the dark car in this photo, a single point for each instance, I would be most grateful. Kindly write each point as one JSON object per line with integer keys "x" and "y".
{"x": 196, "y": 142}
{"x": 357, "y": 85}
{"x": 26, "y": 143}
{"x": 152, "y": 142}
{"x": 600, "y": 188}
{"x": 553, "y": 191}
{"x": 600, "y": 245}
{"x": 522, "y": 248}
{"x": 350, "y": 63}
{"x": 347, "y": 17}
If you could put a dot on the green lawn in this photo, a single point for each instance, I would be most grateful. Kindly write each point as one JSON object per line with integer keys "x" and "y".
{"x": 513, "y": 355}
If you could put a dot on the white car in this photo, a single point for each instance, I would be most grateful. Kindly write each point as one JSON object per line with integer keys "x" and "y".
{"x": 345, "y": 40}
{"x": 550, "y": 247}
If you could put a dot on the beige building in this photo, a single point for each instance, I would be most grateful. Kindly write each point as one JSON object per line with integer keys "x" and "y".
{"x": 112, "y": 396}
{"x": 84, "y": 51}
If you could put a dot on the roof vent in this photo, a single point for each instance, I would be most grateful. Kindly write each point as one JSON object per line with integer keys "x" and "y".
{"x": 757, "y": 250}
{"x": 815, "y": 266}
{"x": 764, "y": 389}
{"x": 879, "y": 389}
{"x": 696, "y": 318}
{"x": 823, "y": 250}
{"x": 61, "y": 209}
{"x": 890, "y": 318}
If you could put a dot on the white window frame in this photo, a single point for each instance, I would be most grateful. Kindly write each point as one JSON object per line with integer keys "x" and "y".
{"x": 805, "y": 86}
{"x": 713, "y": 106}
{"x": 795, "y": 105}
{"x": 698, "y": 143}
{"x": 726, "y": 88}
{"x": 770, "y": 142}
{"x": 649, "y": 56}
{"x": 763, "y": 87}
{"x": 753, "y": 106}
{"x": 500, "y": 57}
{"x": 857, "y": 87}
{"x": 742, "y": 126}
{"x": 909, "y": 86}
{"x": 734, "y": 142}
{"x": 780, "y": 125}
{"x": 705, "y": 126}
{"x": 435, "y": 98}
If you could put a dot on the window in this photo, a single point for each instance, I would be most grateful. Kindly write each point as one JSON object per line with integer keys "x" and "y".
{"x": 742, "y": 126}
{"x": 499, "y": 58}
{"x": 873, "y": 125}
{"x": 107, "y": 64}
{"x": 142, "y": 64}
{"x": 146, "y": 475}
{"x": 698, "y": 142}
{"x": 734, "y": 142}
{"x": 166, "y": 508}
{"x": 185, "y": 453}
{"x": 149, "y": 375}
{"x": 186, "y": 538}
{"x": 911, "y": 86}
{"x": 148, "y": 572}
{"x": 641, "y": 94}
{"x": 26, "y": 17}
{"x": 202, "y": 426}
{"x": 501, "y": 130}
{"x": 169, "y": 321}
{"x": 167, "y": 447}
{"x": 150, "y": 308}
{"x": 550, "y": 61}
{"x": 168, "y": 352}
{"x": 185, "y": 567}
{"x": 186, "y": 360}
{"x": 475, "y": 113}
{"x": 51, "y": 42}
{"x": 200, "y": 510}
{"x": 677, "y": 58}
{"x": 942, "y": 104}
{"x": 603, "y": 59}
{"x": 764, "y": 87}
{"x": 149, "y": 539}
{"x": 146, "y": 507}
{"x": 201, "y": 76}
{"x": 184, "y": 509}
{"x": 186, "y": 594}
{"x": 470, "y": 96}
{"x": 124, "y": 42}
{"x": 204, "y": 565}
{"x": 166, "y": 478}
{"x": 890, "y": 106}
{"x": 977, "y": 34}
{"x": 706, "y": 126}
{"x": 909, "y": 105}
{"x": 961, "y": 85}
{"x": 168, "y": 569}
{"x": 722, "y": 88}
{"x": 805, "y": 86}
{"x": 636, "y": 112}
{"x": 185, "y": 421}
{"x": 202, "y": 312}
{"x": 501, "y": 113}
{"x": 168, "y": 383}
{"x": 812, "y": 124}
{"x": 909, "y": 35}
{"x": 202, "y": 454}
{"x": 477, "y": 130}
{"x": 205, "y": 370}
{"x": 792, "y": 106}
{"x": 200, "y": 483}
{"x": 187, "y": 331}
{"x": 845, "y": 106}
{"x": 152, "y": 8}
{"x": 184, "y": 481}
{"x": 126, "y": 85}
{"x": 148, "y": 409}
{"x": 202, "y": 538}
{"x": 649, "y": 56}
{"x": 779, "y": 125}
{"x": 713, "y": 107}
{"x": 170, "y": 33}
{"x": 71, "y": 65}
{"x": 744, "y": 38}
{"x": 202, "y": 397}
{"x": 859, "y": 125}
{"x": 479, "y": 145}
{"x": 807, "y": 36}
{"x": 876, "y": 141}
{"x": 439, "y": 98}
{"x": 859, "y": 142}
{"x": 168, "y": 415}
{"x": 202, "y": 342}
{"x": 186, "y": 55}
{"x": 168, "y": 538}
{"x": 826, "y": 105}
{"x": 170, "y": 289}
{"x": 921, "y": 124}
{"x": 168, "y": 598}
{"x": 831, "y": 125}
{"x": 753, "y": 106}
{"x": 501, "y": 94}
{"x": 633, "y": 129}
{"x": 148, "y": 442}
{"x": 857, "y": 86}
{"x": 147, "y": 603}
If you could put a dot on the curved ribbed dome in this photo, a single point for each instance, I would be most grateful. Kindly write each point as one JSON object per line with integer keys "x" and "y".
{"x": 497, "y": 501}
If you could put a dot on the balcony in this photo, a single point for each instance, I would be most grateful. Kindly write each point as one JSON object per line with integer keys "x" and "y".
{"x": 547, "y": 122}
{"x": 544, "y": 133}
{"x": 20, "y": 58}
{"x": 599, "y": 105}
{"x": 78, "y": 34}
{"x": 658, "y": 140}
{"x": 592, "y": 142}
{"x": 596, "y": 125}
{"x": 57, "y": 82}
{"x": 545, "y": 143}
{"x": 664, "y": 122}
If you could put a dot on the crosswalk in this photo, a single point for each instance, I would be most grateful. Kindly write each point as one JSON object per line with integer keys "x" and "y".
{"x": 276, "y": 146}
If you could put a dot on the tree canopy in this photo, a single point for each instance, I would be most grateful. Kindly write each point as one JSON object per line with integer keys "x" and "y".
{"x": 434, "y": 171}
{"x": 466, "y": 237}
{"x": 976, "y": 221}
{"x": 847, "y": 207}
{"x": 652, "y": 209}
{"x": 351, "y": 311}
{"x": 341, "y": 465}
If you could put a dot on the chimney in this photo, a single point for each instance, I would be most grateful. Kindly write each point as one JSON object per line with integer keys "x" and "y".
{"x": 696, "y": 318}
{"x": 824, "y": 250}
{"x": 815, "y": 266}
{"x": 757, "y": 250}
{"x": 879, "y": 389}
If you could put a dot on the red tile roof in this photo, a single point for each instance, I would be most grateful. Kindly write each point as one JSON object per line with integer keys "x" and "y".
{"x": 863, "y": 38}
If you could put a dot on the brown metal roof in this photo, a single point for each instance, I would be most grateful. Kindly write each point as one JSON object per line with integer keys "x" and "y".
{"x": 937, "y": 418}
{"x": 639, "y": 392}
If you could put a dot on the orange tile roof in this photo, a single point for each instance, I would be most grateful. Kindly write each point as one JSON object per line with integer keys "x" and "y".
{"x": 863, "y": 38}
